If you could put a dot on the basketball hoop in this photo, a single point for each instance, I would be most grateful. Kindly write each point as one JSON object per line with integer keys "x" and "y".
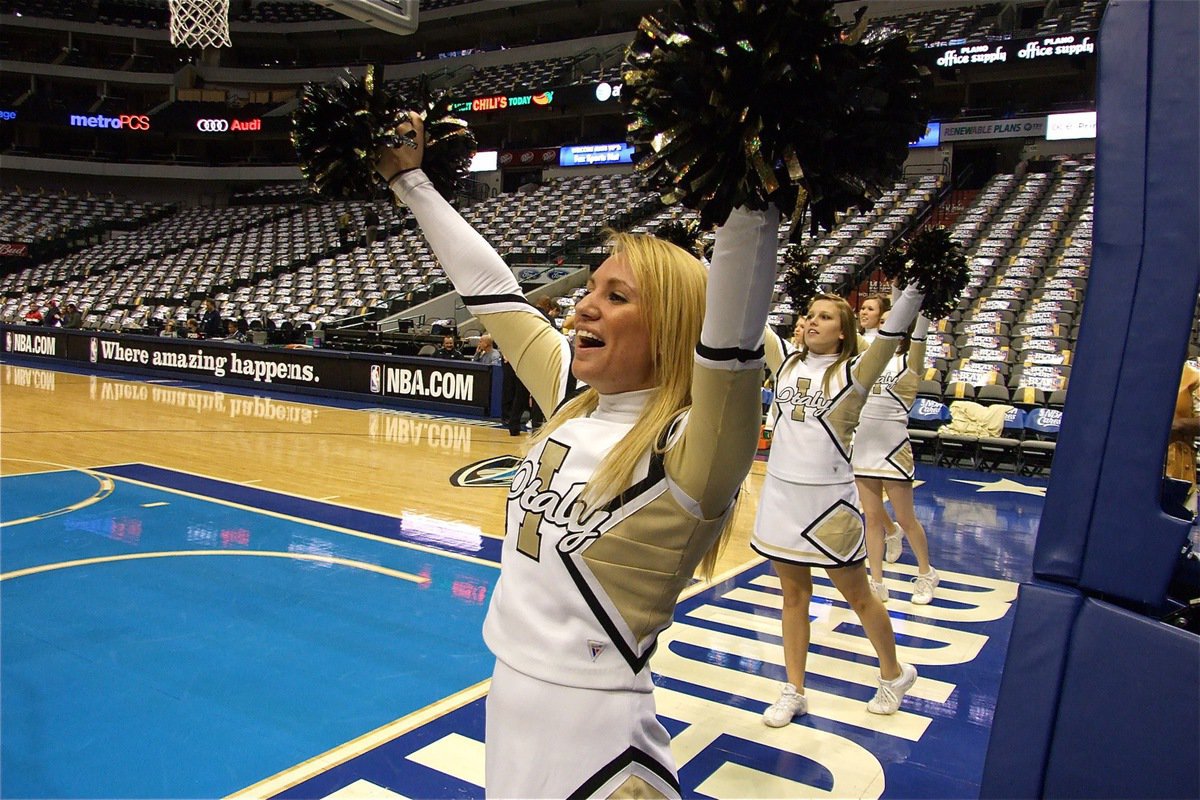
{"x": 199, "y": 23}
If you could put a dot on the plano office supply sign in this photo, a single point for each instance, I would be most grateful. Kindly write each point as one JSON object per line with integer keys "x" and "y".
{"x": 1014, "y": 51}
{"x": 1027, "y": 128}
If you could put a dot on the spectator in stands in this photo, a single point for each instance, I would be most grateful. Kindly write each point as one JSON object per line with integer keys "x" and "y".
{"x": 33, "y": 316}
{"x": 508, "y": 389}
{"x": 72, "y": 317}
{"x": 211, "y": 326}
{"x": 1185, "y": 427}
{"x": 611, "y": 513}
{"x": 53, "y": 316}
{"x": 371, "y": 223}
{"x": 169, "y": 329}
{"x": 448, "y": 349}
{"x": 191, "y": 329}
{"x": 550, "y": 310}
{"x": 485, "y": 351}
{"x": 232, "y": 333}
{"x": 343, "y": 228}
{"x": 522, "y": 401}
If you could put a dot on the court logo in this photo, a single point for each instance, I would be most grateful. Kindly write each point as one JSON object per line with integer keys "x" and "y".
{"x": 491, "y": 472}
{"x": 376, "y": 378}
{"x": 94, "y": 350}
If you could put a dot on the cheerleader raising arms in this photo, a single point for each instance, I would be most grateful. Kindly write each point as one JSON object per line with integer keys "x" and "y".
{"x": 808, "y": 513}
{"x": 883, "y": 457}
{"x": 627, "y": 491}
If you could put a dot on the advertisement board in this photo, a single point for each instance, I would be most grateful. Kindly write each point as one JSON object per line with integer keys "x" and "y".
{"x": 589, "y": 155}
{"x": 460, "y": 386}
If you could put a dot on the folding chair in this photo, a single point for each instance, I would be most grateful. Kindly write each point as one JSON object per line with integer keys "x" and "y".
{"x": 1041, "y": 435}
{"x": 924, "y": 418}
{"x": 995, "y": 451}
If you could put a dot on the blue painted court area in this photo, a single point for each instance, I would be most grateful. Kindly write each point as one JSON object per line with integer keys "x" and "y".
{"x": 161, "y": 644}
{"x": 718, "y": 667}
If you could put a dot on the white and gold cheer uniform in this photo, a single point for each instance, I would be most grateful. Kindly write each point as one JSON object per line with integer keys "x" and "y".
{"x": 808, "y": 511}
{"x": 583, "y": 594}
{"x": 881, "y": 445}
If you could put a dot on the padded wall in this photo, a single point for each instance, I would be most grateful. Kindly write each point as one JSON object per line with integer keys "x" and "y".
{"x": 1129, "y": 710}
{"x": 1027, "y": 706}
{"x": 1103, "y": 527}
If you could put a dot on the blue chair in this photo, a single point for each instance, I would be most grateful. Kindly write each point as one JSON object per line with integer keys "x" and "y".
{"x": 924, "y": 419}
{"x": 1005, "y": 449}
{"x": 1041, "y": 435}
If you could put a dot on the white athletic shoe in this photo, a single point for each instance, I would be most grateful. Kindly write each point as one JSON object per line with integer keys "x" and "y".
{"x": 889, "y": 694}
{"x": 893, "y": 544}
{"x": 790, "y": 704}
{"x": 923, "y": 586}
{"x": 878, "y": 589}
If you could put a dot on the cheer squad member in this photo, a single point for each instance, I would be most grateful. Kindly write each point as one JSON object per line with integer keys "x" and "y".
{"x": 883, "y": 456}
{"x": 808, "y": 514}
{"x": 627, "y": 491}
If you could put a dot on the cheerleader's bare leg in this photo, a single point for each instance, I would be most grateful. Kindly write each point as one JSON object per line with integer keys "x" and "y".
{"x": 870, "y": 494}
{"x": 797, "y": 597}
{"x": 851, "y": 581}
{"x": 901, "y": 495}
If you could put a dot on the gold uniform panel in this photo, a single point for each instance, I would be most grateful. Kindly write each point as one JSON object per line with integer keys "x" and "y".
{"x": 647, "y": 560}
{"x": 903, "y": 458}
{"x": 842, "y": 419}
{"x": 840, "y": 533}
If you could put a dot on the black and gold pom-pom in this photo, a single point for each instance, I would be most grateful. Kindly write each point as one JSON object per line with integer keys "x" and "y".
{"x": 938, "y": 267}
{"x": 769, "y": 101}
{"x": 684, "y": 233}
{"x": 449, "y": 143}
{"x": 891, "y": 262}
{"x": 800, "y": 278}
{"x": 339, "y": 128}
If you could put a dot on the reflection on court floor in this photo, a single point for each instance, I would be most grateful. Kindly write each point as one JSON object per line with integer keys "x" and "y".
{"x": 171, "y": 635}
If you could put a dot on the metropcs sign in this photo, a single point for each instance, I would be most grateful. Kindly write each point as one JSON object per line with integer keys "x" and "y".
{"x": 224, "y": 125}
{"x": 132, "y": 122}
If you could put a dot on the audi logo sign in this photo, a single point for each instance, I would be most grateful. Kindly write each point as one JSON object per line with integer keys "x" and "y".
{"x": 225, "y": 125}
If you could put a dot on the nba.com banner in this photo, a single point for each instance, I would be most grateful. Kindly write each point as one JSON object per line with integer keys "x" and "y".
{"x": 425, "y": 382}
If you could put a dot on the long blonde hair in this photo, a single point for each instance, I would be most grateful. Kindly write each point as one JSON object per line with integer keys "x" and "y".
{"x": 849, "y": 350}
{"x": 671, "y": 283}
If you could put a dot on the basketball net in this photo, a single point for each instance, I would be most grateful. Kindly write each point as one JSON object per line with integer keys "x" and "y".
{"x": 199, "y": 23}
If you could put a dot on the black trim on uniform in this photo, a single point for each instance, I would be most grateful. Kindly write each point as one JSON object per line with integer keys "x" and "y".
{"x": 635, "y": 662}
{"x": 487, "y": 299}
{"x": 909, "y": 476}
{"x": 890, "y": 334}
{"x": 774, "y": 557}
{"x": 833, "y": 403}
{"x": 656, "y": 472}
{"x": 632, "y": 755}
{"x": 729, "y": 353}
{"x": 825, "y": 515}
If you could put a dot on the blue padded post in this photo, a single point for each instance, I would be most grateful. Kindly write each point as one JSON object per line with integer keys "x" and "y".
{"x": 1129, "y": 713}
{"x": 1027, "y": 705}
{"x": 1103, "y": 526}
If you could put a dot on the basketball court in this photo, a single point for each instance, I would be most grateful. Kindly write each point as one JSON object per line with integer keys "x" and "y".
{"x": 210, "y": 594}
